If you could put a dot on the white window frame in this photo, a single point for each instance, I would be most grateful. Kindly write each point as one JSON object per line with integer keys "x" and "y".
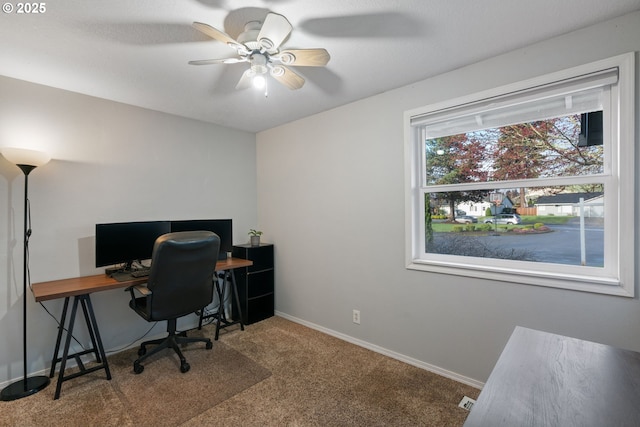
{"x": 617, "y": 278}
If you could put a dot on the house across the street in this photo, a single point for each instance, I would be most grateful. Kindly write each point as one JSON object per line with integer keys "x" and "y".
{"x": 569, "y": 204}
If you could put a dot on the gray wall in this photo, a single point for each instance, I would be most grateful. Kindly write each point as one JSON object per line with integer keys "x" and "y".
{"x": 331, "y": 198}
{"x": 112, "y": 162}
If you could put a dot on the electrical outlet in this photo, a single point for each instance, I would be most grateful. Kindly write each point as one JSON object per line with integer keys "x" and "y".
{"x": 356, "y": 316}
{"x": 466, "y": 403}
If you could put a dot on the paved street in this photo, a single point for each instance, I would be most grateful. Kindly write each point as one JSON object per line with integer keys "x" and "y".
{"x": 561, "y": 246}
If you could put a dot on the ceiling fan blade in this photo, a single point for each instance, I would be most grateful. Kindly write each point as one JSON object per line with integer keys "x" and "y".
{"x": 218, "y": 61}
{"x": 215, "y": 34}
{"x": 287, "y": 77}
{"x": 274, "y": 31}
{"x": 245, "y": 81}
{"x": 305, "y": 57}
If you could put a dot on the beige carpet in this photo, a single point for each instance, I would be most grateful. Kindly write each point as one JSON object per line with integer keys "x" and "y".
{"x": 215, "y": 376}
{"x": 159, "y": 396}
{"x": 275, "y": 373}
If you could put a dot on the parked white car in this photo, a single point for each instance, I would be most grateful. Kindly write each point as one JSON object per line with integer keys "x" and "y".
{"x": 504, "y": 219}
{"x": 466, "y": 219}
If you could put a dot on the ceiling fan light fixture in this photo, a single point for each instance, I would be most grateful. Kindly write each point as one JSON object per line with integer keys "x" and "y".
{"x": 258, "y": 59}
{"x": 259, "y": 69}
{"x": 259, "y": 81}
{"x": 259, "y": 63}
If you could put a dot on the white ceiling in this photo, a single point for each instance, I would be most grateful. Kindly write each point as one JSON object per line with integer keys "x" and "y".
{"x": 136, "y": 52}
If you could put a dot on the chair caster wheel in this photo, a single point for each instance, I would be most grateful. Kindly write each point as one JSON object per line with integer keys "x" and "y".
{"x": 209, "y": 345}
{"x": 142, "y": 351}
{"x": 184, "y": 367}
{"x": 137, "y": 368}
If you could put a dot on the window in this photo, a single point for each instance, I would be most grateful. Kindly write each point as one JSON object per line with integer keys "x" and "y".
{"x": 529, "y": 183}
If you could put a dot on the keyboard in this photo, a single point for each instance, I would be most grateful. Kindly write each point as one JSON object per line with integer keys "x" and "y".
{"x": 143, "y": 272}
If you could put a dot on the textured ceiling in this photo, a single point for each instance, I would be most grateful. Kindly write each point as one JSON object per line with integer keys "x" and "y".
{"x": 136, "y": 52}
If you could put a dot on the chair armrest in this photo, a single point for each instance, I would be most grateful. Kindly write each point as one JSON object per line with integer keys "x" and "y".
{"x": 142, "y": 290}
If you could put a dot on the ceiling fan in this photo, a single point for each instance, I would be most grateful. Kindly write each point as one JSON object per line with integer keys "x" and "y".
{"x": 259, "y": 45}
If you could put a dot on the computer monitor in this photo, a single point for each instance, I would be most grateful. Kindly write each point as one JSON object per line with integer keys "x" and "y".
{"x": 126, "y": 242}
{"x": 222, "y": 227}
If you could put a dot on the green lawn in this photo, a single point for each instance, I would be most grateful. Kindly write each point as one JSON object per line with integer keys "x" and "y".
{"x": 545, "y": 219}
{"x": 440, "y": 227}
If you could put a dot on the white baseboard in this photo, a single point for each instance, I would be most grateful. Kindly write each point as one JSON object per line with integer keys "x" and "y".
{"x": 411, "y": 361}
{"x": 392, "y": 354}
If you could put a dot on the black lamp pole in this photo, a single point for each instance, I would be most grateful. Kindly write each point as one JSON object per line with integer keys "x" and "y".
{"x": 28, "y": 385}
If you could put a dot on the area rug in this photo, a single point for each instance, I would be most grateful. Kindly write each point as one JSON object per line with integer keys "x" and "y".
{"x": 151, "y": 398}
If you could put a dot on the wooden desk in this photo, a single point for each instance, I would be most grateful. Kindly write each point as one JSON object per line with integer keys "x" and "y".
{"x": 80, "y": 288}
{"x": 542, "y": 379}
{"x": 44, "y": 291}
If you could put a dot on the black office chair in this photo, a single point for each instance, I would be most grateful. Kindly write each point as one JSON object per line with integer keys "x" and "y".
{"x": 180, "y": 283}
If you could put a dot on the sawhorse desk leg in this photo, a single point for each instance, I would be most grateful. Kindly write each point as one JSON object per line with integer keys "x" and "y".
{"x": 98, "y": 349}
{"x": 220, "y": 315}
{"x": 222, "y": 318}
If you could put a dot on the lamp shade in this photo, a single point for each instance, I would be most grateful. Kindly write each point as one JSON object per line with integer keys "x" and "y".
{"x": 23, "y": 156}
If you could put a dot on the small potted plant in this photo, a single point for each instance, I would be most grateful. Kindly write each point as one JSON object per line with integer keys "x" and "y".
{"x": 255, "y": 237}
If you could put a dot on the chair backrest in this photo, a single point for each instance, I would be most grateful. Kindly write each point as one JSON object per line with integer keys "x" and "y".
{"x": 181, "y": 276}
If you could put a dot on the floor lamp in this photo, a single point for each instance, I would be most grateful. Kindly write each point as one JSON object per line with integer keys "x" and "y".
{"x": 26, "y": 160}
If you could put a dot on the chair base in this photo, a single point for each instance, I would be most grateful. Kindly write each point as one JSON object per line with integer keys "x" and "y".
{"x": 171, "y": 341}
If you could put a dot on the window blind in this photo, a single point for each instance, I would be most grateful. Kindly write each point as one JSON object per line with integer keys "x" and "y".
{"x": 580, "y": 94}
